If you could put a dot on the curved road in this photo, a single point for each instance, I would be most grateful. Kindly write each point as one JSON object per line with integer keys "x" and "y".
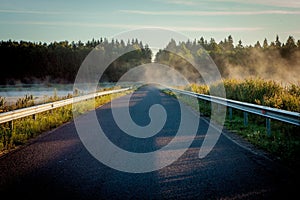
{"x": 57, "y": 165}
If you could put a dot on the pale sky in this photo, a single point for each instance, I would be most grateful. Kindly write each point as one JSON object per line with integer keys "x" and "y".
{"x": 73, "y": 20}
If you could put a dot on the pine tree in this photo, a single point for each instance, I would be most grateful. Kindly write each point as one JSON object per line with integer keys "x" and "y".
{"x": 277, "y": 42}
{"x": 257, "y": 45}
{"x": 265, "y": 44}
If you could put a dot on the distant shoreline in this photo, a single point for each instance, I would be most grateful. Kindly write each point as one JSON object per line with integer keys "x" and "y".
{"x": 40, "y": 92}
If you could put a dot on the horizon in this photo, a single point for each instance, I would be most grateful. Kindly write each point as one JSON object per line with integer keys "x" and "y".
{"x": 177, "y": 41}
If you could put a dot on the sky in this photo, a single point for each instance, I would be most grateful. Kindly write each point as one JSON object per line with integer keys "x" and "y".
{"x": 74, "y": 20}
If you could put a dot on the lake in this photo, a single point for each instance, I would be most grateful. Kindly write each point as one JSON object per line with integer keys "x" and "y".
{"x": 40, "y": 92}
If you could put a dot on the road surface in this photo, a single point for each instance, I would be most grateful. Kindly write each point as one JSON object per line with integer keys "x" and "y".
{"x": 57, "y": 165}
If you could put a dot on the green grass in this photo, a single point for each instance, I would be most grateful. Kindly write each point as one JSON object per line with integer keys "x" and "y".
{"x": 284, "y": 141}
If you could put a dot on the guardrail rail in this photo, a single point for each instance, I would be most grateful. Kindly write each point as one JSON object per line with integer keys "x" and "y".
{"x": 33, "y": 110}
{"x": 267, "y": 112}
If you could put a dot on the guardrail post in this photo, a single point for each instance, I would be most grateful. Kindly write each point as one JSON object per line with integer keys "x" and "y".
{"x": 268, "y": 126}
{"x": 230, "y": 113}
{"x": 11, "y": 124}
{"x": 34, "y": 116}
{"x": 199, "y": 105}
{"x": 245, "y": 119}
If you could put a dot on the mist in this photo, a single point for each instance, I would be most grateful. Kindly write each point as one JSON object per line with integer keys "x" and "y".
{"x": 269, "y": 65}
{"x": 278, "y": 61}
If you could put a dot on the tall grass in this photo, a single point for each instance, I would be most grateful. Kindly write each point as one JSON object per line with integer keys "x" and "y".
{"x": 263, "y": 92}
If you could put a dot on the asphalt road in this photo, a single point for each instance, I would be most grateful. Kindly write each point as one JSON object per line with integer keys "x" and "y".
{"x": 57, "y": 165}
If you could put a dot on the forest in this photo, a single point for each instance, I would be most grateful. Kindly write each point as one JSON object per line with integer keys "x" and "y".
{"x": 58, "y": 62}
{"x": 273, "y": 60}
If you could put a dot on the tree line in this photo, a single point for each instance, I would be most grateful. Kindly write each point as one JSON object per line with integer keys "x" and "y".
{"x": 58, "y": 62}
{"x": 274, "y": 60}
{"x": 29, "y": 62}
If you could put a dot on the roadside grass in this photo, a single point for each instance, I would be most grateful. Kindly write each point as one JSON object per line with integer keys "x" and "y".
{"x": 284, "y": 141}
{"x": 30, "y": 127}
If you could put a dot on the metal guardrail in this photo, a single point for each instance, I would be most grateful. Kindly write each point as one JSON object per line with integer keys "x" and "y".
{"x": 31, "y": 111}
{"x": 267, "y": 112}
